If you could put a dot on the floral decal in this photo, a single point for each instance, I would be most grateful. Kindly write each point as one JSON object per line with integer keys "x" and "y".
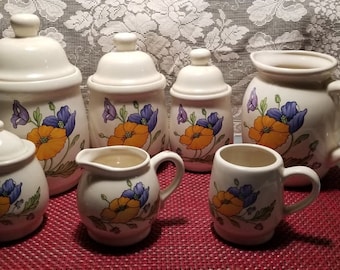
{"x": 130, "y": 207}
{"x": 236, "y": 204}
{"x": 276, "y": 127}
{"x": 12, "y": 206}
{"x": 200, "y": 134}
{"x": 50, "y": 135}
{"x": 135, "y": 129}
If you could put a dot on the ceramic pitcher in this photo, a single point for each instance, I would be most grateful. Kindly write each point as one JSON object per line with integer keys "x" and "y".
{"x": 200, "y": 116}
{"x": 40, "y": 100}
{"x": 292, "y": 106}
{"x": 127, "y": 103}
{"x": 119, "y": 195}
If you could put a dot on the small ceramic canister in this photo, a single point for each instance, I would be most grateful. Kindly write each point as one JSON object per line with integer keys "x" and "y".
{"x": 127, "y": 104}
{"x": 40, "y": 100}
{"x": 200, "y": 117}
{"x": 23, "y": 187}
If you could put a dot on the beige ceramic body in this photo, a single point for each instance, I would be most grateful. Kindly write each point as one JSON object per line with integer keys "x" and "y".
{"x": 103, "y": 205}
{"x": 246, "y": 192}
{"x": 24, "y": 193}
{"x": 294, "y": 84}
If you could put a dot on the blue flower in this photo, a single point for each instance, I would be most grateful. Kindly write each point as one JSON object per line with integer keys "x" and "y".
{"x": 109, "y": 111}
{"x": 146, "y": 117}
{"x": 289, "y": 115}
{"x": 137, "y": 193}
{"x": 252, "y": 102}
{"x": 11, "y": 190}
{"x": 244, "y": 193}
{"x": 182, "y": 116}
{"x": 212, "y": 122}
{"x": 64, "y": 119}
{"x": 20, "y": 115}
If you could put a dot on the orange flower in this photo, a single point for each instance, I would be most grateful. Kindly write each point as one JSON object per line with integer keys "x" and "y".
{"x": 4, "y": 205}
{"x": 227, "y": 204}
{"x": 129, "y": 133}
{"x": 121, "y": 210}
{"x": 269, "y": 132}
{"x": 197, "y": 137}
{"x": 49, "y": 141}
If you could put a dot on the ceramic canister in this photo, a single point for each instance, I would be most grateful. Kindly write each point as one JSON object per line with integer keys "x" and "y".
{"x": 40, "y": 100}
{"x": 200, "y": 118}
{"x": 127, "y": 103}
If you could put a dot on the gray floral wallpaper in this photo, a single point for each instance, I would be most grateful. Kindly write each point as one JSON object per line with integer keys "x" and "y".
{"x": 169, "y": 29}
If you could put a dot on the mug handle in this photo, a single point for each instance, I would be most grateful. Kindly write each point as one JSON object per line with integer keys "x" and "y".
{"x": 179, "y": 164}
{"x": 315, "y": 181}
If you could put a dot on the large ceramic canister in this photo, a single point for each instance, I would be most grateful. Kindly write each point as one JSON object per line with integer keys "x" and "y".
{"x": 40, "y": 100}
{"x": 200, "y": 117}
{"x": 127, "y": 103}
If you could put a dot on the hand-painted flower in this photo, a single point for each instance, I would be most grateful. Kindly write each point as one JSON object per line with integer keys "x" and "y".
{"x": 182, "y": 116}
{"x": 146, "y": 117}
{"x": 129, "y": 133}
{"x": 139, "y": 192}
{"x": 20, "y": 115}
{"x": 290, "y": 115}
{"x": 9, "y": 193}
{"x": 269, "y": 132}
{"x": 245, "y": 193}
{"x": 227, "y": 204}
{"x": 49, "y": 141}
{"x": 212, "y": 122}
{"x": 64, "y": 119}
{"x": 253, "y": 101}
{"x": 197, "y": 137}
{"x": 109, "y": 111}
{"x": 121, "y": 210}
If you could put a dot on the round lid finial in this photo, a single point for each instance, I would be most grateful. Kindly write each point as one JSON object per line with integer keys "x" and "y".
{"x": 25, "y": 25}
{"x": 125, "y": 42}
{"x": 200, "y": 57}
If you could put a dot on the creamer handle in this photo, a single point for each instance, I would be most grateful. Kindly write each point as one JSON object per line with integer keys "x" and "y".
{"x": 333, "y": 90}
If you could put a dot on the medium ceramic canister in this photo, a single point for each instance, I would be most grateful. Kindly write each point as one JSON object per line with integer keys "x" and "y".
{"x": 293, "y": 107}
{"x": 23, "y": 187}
{"x": 200, "y": 117}
{"x": 40, "y": 100}
{"x": 127, "y": 103}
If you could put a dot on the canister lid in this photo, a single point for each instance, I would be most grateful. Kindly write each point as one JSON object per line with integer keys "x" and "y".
{"x": 201, "y": 78}
{"x": 13, "y": 148}
{"x": 27, "y": 57}
{"x": 126, "y": 69}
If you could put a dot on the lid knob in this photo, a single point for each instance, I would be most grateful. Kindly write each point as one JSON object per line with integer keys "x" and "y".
{"x": 200, "y": 57}
{"x": 25, "y": 25}
{"x": 125, "y": 42}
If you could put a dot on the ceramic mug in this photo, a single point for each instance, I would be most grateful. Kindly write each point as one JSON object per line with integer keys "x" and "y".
{"x": 119, "y": 194}
{"x": 246, "y": 192}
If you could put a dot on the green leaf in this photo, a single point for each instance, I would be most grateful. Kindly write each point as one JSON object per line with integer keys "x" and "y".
{"x": 264, "y": 213}
{"x": 263, "y": 106}
{"x": 129, "y": 183}
{"x": 192, "y": 118}
{"x": 32, "y": 202}
{"x": 37, "y": 116}
{"x": 51, "y": 106}
{"x": 277, "y": 99}
{"x": 103, "y": 197}
{"x": 98, "y": 223}
{"x": 158, "y": 133}
{"x": 313, "y": 145}
{"x": 236, "y": 182}
{"x": 75, "y": 139}
{"x": 204, "y": 112}
{"x": 301, "y": 138}
{"x": 135, "y": 104}
{"x": 220, "y": 138}
{"x": 123, "y": 113}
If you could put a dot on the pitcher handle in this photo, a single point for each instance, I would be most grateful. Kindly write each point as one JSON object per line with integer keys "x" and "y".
{"x": 176, "y": 180}
{"x": 315, "y": 181}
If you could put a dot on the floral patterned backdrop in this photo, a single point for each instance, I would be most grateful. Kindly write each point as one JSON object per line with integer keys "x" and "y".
{"x": 169, "y": 29}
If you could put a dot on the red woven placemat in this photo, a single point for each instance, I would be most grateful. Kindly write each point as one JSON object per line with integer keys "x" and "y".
{"x": 182, "y": 236}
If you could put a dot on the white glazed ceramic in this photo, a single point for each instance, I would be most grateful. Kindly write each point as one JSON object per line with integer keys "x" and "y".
{"x": 200, "y": 116}
{"x": 127, "y": 102}
{"x": 289, "y": 107}
{"x": 40, "y": 100}
{"x": 118, "y": 204}
{"x": 23, "y": 187}
{"x": 246, "y": 192}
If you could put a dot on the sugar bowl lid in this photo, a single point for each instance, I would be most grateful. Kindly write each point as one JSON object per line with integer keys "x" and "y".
{"x": 200, "y": 80}
{"x": 28, "y": 58}
{"x": 12, "y": 148}
{"x": 126, "y": 69}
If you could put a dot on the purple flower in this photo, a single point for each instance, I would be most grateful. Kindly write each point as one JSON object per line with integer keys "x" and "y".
{"x": 11, "y": 190}
{"x": 252, "y": 102}
{"x": 64, "y": 119}
{"x": 182, "y": 115}
{"x": 245, "y": 194}
{"x": 146, "y": 117}
{"x": 137, "y": 193}
{"x": 212, "y": 122}
{"x": 20, "y": 115}
{"x": 290, "y": 115}
{"x": 109, "y": 111}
